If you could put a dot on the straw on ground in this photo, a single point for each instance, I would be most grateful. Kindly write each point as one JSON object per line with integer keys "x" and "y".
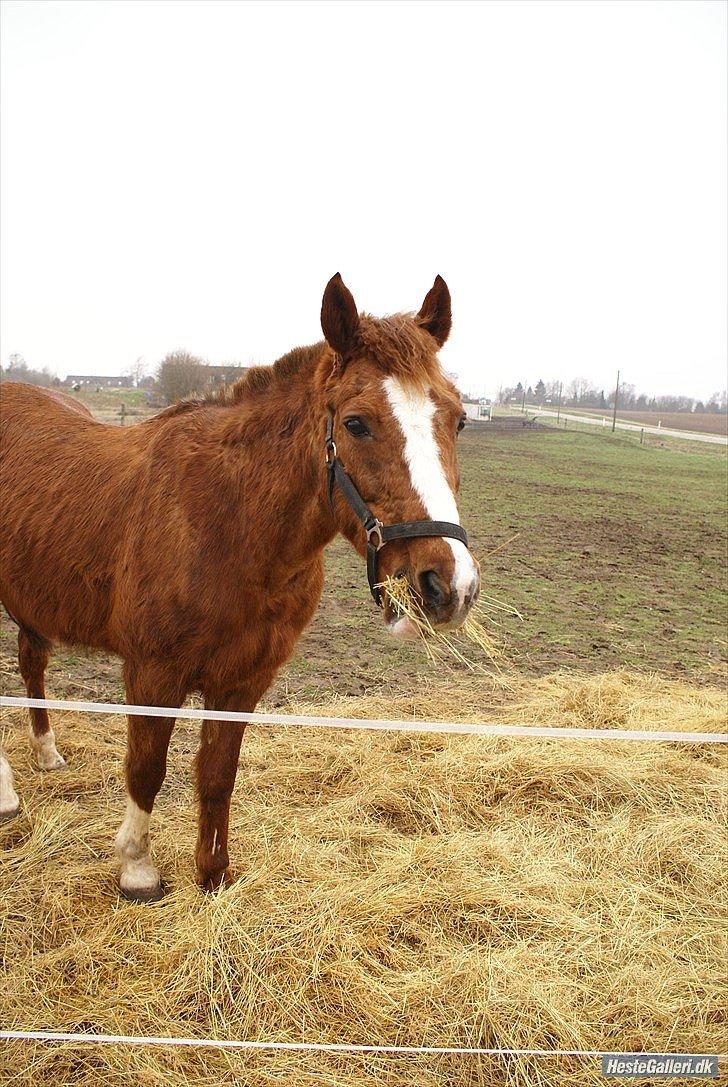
{"x": 406, "y": 889}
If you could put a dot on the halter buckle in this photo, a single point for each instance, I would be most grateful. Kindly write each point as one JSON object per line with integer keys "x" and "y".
{"x": 331, "y": 453}
{"x": 377, "y": 529}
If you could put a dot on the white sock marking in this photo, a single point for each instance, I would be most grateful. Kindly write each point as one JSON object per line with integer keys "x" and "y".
{"x": 132, "y": 848}
{"x": 414, "y": 410}
{"x": 45, "y": 751}
{"x": 9, "y": 799}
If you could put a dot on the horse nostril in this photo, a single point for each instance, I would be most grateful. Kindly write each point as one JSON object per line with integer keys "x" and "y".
{"x": 433, "y": 589}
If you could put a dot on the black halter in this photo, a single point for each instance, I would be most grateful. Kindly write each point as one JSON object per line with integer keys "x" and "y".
{"x": 378, "y": 534}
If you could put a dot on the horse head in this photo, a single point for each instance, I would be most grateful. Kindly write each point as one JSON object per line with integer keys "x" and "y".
{"x": 393, "y": 420}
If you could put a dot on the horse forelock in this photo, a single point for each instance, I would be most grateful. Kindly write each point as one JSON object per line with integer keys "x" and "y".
{"x": 400, "y": 347}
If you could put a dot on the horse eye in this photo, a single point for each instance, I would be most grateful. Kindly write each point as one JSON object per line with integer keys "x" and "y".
{"x": 461, "y": 423}
{"x": 357, "y": 428}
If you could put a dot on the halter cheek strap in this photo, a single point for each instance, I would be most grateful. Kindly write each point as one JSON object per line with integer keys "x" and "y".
{"x": 378, "y": 534}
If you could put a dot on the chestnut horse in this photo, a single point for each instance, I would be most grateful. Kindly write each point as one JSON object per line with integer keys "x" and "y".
{"x": 191, "y": 545}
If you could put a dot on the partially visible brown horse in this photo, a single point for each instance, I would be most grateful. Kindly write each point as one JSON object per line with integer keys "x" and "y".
{"x": 191, "y": 545}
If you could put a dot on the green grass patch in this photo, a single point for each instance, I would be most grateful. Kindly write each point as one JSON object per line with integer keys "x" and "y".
{"x": 619, "y": 560}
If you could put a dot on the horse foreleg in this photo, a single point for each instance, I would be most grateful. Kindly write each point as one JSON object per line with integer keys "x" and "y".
{"x": 146, "y": 766}
{"x": 33, "y": 655}
{"x": 217, "y": 765}
{"x": 9, "y": 799}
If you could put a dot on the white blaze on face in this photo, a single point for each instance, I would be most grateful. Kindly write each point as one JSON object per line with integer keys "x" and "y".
{"x": 414, "y": 410}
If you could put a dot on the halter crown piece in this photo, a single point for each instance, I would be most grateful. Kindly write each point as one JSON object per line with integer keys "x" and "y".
{"x": 378, "y": 534}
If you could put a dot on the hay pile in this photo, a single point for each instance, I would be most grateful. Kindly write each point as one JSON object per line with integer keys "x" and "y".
{"x": 394, "y": 888}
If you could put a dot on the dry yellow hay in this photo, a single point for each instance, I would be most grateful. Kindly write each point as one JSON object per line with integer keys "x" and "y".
{"x": 395, "y": 888}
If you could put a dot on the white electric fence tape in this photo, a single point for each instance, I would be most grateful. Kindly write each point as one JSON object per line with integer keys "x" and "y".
{"x": 314, "y": 1047}
{"x": 453, "y": 727}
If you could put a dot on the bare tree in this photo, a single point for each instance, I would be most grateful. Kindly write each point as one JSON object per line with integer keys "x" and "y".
{"x": 581, "y": 391}
{"x": 627, "y": 396}
{"x": 573, "y": 389}
{"x": 137, "y": 371}
{"x": 181, "y": 374}
{"x": 18, "y": 370}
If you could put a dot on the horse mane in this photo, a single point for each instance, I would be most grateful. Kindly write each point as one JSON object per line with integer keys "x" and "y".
{"x": 259, "y": 379}
{"x": 256, "y": 379}
{"x": 396, "y": 343}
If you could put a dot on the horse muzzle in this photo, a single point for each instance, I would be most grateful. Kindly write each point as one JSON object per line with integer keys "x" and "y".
{"x": 444, "y": 597}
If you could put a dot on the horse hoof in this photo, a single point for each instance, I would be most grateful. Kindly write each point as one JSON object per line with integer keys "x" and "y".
{"x": 46, "y": 753}
{"x": 215, "y": 881}
{"x": 59, "y": 763}
{"x": 6, "y": 816}
{"x": 143, "y": 895}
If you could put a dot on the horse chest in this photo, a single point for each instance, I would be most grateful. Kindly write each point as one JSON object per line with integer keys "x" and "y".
{"x": 259, "y": 631}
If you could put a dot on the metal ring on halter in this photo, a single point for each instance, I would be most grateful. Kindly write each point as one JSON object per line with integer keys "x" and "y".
{"x": 331, "y": 453}
{"x": 377, "y": 529}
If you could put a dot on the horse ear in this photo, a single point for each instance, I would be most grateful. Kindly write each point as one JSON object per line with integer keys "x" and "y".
{"x": 339, "y": 318}
{"x": 435, "y": 316}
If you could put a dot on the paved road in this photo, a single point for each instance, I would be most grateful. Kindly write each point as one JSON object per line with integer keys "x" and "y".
{"x": 596, "y": 420}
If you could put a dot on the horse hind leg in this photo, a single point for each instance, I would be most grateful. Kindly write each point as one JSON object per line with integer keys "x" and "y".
{"x": 33, "y": 655}
{"x": 9, "y": 800}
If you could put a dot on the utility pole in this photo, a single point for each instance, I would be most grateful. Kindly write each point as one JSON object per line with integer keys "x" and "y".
{"x": 523, "y": 402}
{"x": 558, "y": 406}
{"x": 616, "y": 398}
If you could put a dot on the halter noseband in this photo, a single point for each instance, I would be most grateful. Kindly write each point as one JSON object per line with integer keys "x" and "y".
{"x": 378, "y": 534}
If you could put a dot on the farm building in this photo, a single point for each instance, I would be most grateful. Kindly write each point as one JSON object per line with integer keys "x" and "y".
{"x": 101, "y": 381}
{"x": 476, "y": 408}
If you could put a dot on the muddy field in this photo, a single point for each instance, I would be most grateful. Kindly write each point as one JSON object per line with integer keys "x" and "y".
{"x": 706, "y": 422}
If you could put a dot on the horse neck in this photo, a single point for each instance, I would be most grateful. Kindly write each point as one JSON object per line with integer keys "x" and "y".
{"x": 275, "y": 445}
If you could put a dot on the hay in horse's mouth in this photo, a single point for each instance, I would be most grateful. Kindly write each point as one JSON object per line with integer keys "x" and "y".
{"x": 444, "y": 645}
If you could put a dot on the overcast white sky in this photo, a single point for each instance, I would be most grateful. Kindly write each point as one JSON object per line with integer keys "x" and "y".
{"x": 191, "y": 174}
